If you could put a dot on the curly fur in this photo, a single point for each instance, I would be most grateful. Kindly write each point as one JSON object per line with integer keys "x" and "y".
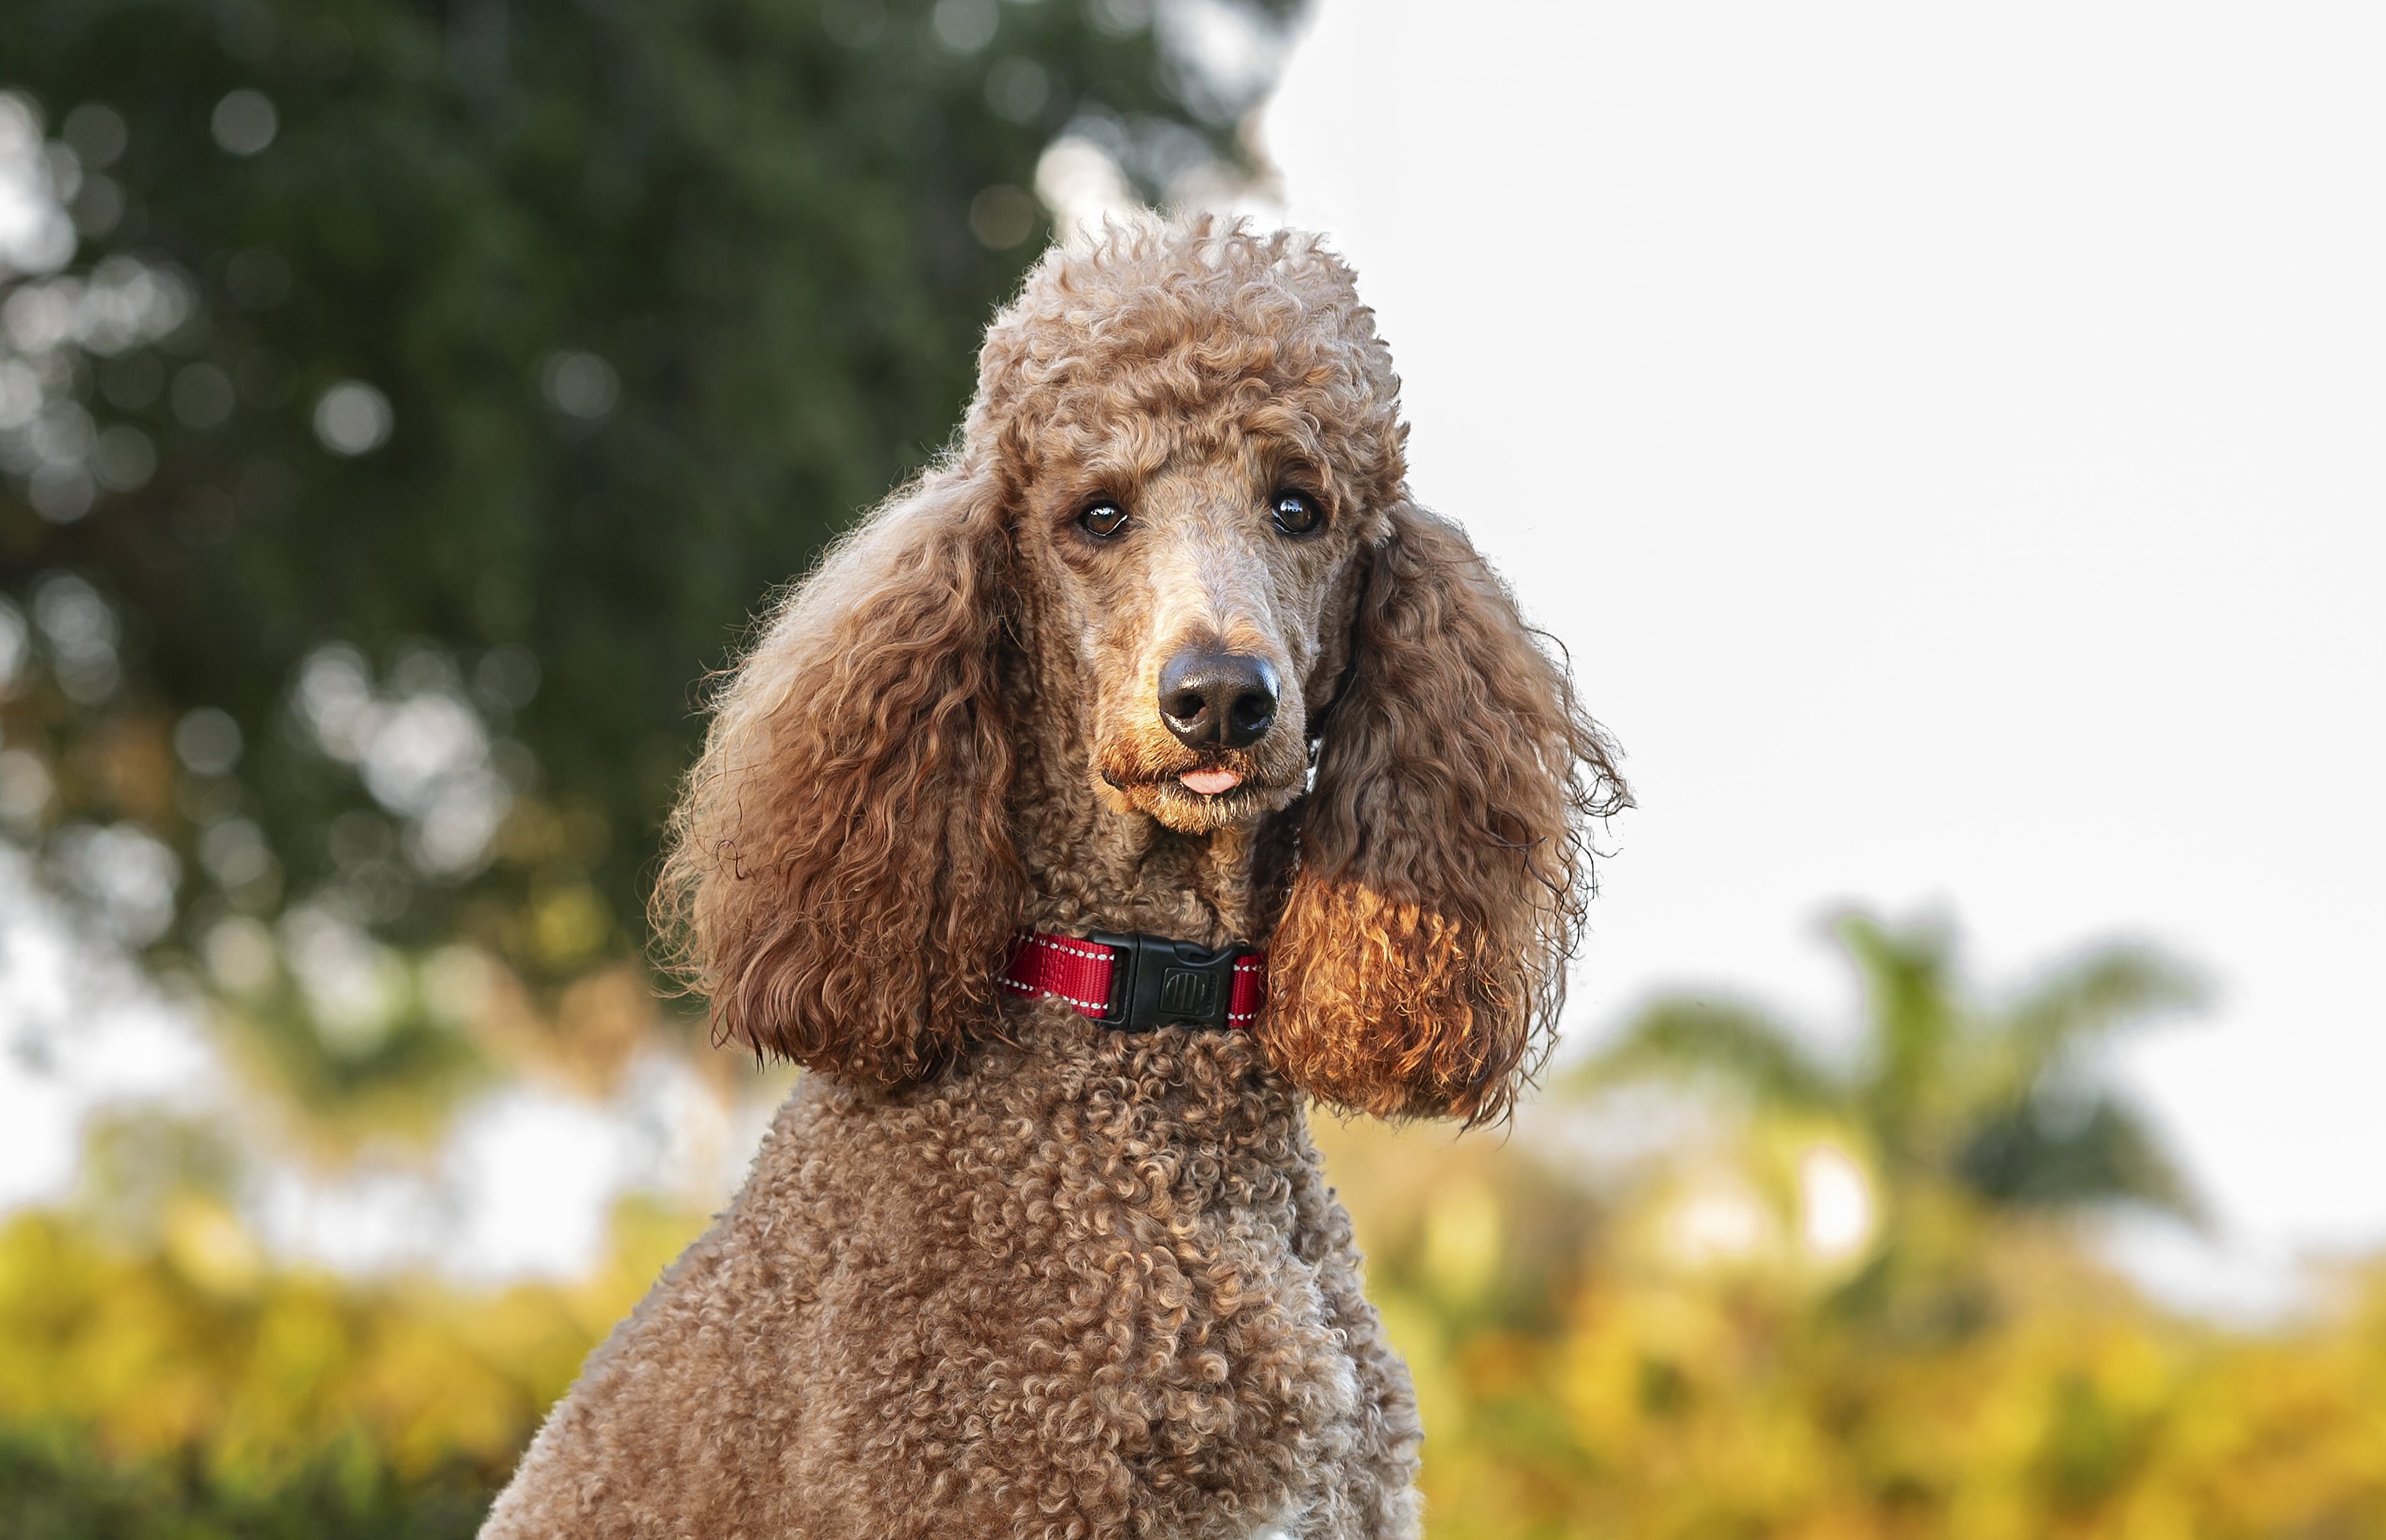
{"x": 840, "y": 871}
{"x": 997, "y": 1272}
{"x": 1420, "y": 965}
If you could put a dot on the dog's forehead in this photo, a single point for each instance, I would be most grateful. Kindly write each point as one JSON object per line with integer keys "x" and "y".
{"x": 1244, "y": 429}
{"x": 1163, "y": 331}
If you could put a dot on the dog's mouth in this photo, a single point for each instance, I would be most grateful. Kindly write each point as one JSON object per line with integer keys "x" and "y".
{"x": 1206, "y": 782}
{"x": 1213, "y": 783}
{"x": 1198, "y": 788}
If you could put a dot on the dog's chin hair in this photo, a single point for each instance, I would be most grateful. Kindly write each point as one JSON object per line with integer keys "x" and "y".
{"x": 1189, "y": 813}
{"x": 1175, "y": 815}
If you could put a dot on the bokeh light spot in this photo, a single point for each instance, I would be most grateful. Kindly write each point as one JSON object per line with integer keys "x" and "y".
{"x": 1018, "y": 89}
{"x": 208, "y": 740}
{"x": 257, "y": 278}
{"x": 1835, "y": 1203}
{"x": 579, "y": 385}
{"x": 352, "y": 418}
{"x": 96, "y": 133}
{"x": 854, "y": 23}
{"x": 965, "y": 26}
{"x": 203, "y": 395}
{"x": 244, "y": 122}
{"x": 1003, "y": 215}
{"x": 123, "y": 458}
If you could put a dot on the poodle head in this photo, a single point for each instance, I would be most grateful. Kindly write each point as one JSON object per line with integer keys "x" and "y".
{"x": 1201, "y": 431}
{"x": 1176, "y": 526}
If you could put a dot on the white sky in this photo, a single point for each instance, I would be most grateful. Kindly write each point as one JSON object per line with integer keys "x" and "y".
{"x": 1951, "y": 442}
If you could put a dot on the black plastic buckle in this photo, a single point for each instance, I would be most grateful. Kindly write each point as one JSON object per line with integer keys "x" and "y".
{"x": 1159, "y": 982}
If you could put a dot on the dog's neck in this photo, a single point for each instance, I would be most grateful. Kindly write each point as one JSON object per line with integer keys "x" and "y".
{"x": 1092, "y": 869}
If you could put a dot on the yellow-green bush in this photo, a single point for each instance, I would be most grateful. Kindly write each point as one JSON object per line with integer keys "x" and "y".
{"x": 2006, "y": 1387}
{"x": 1847, "y": 1300}
{"x": 182, "y": 1381}
{"x": 1578, "y": 1378}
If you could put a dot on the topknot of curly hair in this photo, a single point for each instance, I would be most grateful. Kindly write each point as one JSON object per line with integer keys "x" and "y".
{"x": 1174, "y": 315}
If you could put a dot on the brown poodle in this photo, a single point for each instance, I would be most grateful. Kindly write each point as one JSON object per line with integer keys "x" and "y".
{"x": 1164, "y": 647}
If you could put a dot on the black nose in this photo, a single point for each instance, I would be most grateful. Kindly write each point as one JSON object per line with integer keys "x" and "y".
{"x": 1210, "y": 695}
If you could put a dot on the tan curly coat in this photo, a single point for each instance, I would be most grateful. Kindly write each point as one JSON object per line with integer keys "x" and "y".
{"x": 998, "y": 1272}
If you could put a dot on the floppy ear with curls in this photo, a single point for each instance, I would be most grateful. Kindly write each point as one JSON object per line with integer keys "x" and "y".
{"x": 840, "y": 877}
{"x": 1420, "y": 962}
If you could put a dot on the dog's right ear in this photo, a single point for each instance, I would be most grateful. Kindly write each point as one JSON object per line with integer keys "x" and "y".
{"x": 840, "y": 878}
{"x": 1419, "y": 965}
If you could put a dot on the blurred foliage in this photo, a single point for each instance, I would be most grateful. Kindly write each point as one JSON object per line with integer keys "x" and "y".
{"x": 59, "y": 1487}
{"x": 1660, "y": 1395}
{"x": 1693, "y": 1343}
{"x": 425, "y": 394}
{"x": 1825, "y": 1314}
{"x": 1999, "y": 1102}
{"x": 177, "y": 1383}
{"x": 1960, "y": 1105}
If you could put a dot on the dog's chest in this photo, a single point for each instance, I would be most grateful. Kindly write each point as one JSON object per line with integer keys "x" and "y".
{"x": 1124, "y": 1305}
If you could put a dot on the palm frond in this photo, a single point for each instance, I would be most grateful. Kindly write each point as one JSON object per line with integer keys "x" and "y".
{"x": 1913, "y": 1017}
{"x": 2032, "y": 1049}
{"x": 1688, "y": 1038}
{"x": 2045, "y": 1154}
{"x": 2103, "y": 991}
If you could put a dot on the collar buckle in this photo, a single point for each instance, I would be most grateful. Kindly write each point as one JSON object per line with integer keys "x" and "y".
{"x": 1159, "y": 982}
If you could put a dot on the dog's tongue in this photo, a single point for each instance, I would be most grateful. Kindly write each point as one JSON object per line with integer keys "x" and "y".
{"x": 1210, "y": 782}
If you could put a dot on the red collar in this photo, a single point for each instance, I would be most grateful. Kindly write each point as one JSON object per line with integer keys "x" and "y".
{"x": 1137, "y": 982}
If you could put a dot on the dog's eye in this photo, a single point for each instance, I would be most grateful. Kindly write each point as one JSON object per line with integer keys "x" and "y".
{"x": 1296, "y": 512}
{"x": 1102, "y": 520}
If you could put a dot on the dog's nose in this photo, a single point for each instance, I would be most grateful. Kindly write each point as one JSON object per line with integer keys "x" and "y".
{"x": 1210, "y": 695}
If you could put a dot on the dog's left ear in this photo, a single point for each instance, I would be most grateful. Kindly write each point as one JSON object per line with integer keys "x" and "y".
{"x": 1420, "y": 963}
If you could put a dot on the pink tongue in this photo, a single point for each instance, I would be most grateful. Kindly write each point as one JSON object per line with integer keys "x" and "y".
{"x": 1210, "y": 782}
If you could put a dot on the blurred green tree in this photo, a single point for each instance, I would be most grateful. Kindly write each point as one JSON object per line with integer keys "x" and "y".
{"x": 404, "y": 404}
{"x": 1999, "y": 1102}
